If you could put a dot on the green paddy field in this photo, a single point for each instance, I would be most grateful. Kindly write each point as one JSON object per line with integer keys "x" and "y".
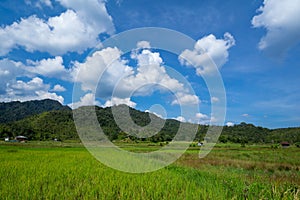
{"x": 54, "y": 170}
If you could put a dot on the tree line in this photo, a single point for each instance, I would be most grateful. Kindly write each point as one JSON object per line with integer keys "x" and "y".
{"x": 48, "y": 120}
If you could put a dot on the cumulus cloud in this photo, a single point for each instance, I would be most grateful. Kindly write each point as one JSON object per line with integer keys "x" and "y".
{"x": 51, "y": 67}
{"x": 93, "y": 13}
{"x": 204, "y": 119}
{"x": 12, "y": 88}
{"x": 150, "y": 72}
{"x": 58, "y": 88}
{"x": 151, "y": 75}
{"x": 143, "y": 45}
{"x": 89, "y": 72}
{"x": 180, "y": 118}
{"x": 4, "y": 72}
{"x": 215, "y": 99}
{"x": 281, "y": 20}
{"x": 39, "y": 3}
{"x": 9, "y": 71}
{"x": 74, "y": 30}
{"x": 86, "y": 100}
{"x": 119, "y": 101}
{"x": 155, "y": 113}
{"x": 206, "y": 50}
{"x": 147, "y": 57}
{"x": 46, "y": 2}
{"x": 35, "y": 89}
{"x": 107, "y": 70}
{"x": 229, "y": 124}
{"x": 45, "y": 95}
{"x": 34, "y": 84}
{"x": 185, "y": 99}
{"x": 13, "y": 75}
{"x": 201, "y": 116}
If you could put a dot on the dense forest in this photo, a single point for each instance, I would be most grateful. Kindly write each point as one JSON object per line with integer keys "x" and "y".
{"x": 48, "y": 120}
{"x": 15, "y": 110}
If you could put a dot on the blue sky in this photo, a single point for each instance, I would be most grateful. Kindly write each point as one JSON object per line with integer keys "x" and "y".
{"x": 254, "y": 44}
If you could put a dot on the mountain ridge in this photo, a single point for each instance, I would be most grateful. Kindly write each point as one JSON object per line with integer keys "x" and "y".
{"x": 16, "y": 110}
{"x": 52, "y": 120}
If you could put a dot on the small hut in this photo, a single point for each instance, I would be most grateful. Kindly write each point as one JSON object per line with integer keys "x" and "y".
{"x": 200, "y": 144}
{"x": 285, "y": 144}
{"x": 21, "y": 138}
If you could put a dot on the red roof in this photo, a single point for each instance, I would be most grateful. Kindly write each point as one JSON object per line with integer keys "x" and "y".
{"x": 285, "y": 143}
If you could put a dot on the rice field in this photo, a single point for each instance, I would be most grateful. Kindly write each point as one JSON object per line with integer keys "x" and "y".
{"x": 68, "y": 171}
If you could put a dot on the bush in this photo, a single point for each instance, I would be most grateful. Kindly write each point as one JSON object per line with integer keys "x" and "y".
{"x": 193, "y": 145}
{"x": 275, "y": 146}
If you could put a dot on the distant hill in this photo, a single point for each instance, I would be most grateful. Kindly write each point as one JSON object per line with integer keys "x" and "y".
{"x": 48, "y": 119}
{"x": 14, "y": 111}
{"x": 57, "y": 124}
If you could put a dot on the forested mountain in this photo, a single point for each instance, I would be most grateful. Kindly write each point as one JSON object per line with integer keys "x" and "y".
{"x": 45, "y": 126}
{"x": 48, "y": 119}
{"x": 14, "y": 111}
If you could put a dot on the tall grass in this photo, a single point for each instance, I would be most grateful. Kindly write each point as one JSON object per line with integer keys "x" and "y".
{"x": 72, "y": 173}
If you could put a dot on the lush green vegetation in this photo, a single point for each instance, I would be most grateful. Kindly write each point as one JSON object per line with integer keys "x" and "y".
{"x": 55, "y": 170}
{"x": 48, "y": 119}
{"x": 14, "y": 111}
{"x": 45, "y": 126}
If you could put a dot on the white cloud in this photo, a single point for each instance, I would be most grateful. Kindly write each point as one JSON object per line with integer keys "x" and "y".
{"x": 51, "y": 67}
{"x": 245, "y": 115}
{"x": 9, "y": 71}
{"x": 150, "y": 72}
{"x": 143, "y": 45}
{"x": 154, "y": 113}
{"x": 47, "y": 2}
{"x": 57, "y": 35}
{"x": 146, "y": 58}
{"x": 4, "y": 72}
{"x": 14, "y": 87}
{"x": 185, "y": 99}
{"x": 215, "y": 99}
{"x": 205, "y": 119}
{"x": 35, "y": 89}
{"x": 118, "y": 101}
{"x": 87, "y": 100}
{"x": 58, "y": 88}
{"x": 112, "y": 75}
{"x": 40, "y": 3}
{"x": 46, "y": 95}
{"x": 201, "y": 116}
{"x": 158, "y": 110}
{"x": 281, "y": 20}
{"x": 208, "y": 49}
{"x": 106, "y": 60}
{"x": 229, "y": 124}
{"x": 34, "y": 84}
{"x": 73, "y": 30}
{"x": 93, "y": 13}
{"x": 180, "y": 118}
{"x": 214, "y": 119}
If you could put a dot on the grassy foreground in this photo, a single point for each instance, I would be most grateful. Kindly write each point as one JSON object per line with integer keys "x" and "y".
{"x": 68, "y": 171}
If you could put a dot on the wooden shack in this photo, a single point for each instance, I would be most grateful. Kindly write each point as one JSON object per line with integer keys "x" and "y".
{"x": 21, "y": 138}
{"x": 285, "y": 144}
